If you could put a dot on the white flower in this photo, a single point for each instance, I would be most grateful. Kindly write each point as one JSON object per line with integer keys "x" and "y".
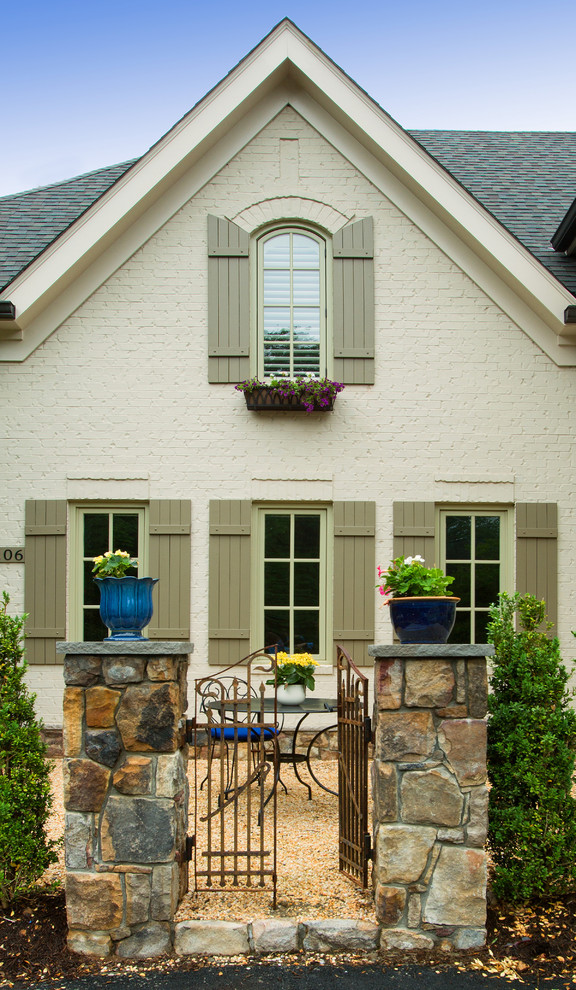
{"x": 411, "y": 560}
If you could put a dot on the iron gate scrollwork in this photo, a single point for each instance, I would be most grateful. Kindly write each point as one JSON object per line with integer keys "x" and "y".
{"x": 235, "y": 808}
{"x": 354, "y": 735}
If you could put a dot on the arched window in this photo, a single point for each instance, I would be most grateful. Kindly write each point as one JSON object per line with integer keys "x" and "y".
{"x": 291, "y": 303}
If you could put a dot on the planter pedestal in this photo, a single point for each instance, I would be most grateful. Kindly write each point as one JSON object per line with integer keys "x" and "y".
{"x": 430, "y": 795}
{"x": 125, "y": 794}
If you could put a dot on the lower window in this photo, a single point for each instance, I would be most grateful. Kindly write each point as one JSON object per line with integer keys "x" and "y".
{"x": 292, "y": 579}
{"x": 476, "y": 551}
{"x": 100, "y": 529}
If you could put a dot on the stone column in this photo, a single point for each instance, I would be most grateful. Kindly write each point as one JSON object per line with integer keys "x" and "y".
{"x": 430, "y": 795}
{"x": 125, "y": 794}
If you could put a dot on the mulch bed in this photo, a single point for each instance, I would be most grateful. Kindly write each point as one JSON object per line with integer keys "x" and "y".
{"x": 535, "y": 944}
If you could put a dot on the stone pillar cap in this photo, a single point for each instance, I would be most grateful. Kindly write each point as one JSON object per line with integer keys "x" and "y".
{"x": 119, "y": 647}
{"x": 431, "y": 650}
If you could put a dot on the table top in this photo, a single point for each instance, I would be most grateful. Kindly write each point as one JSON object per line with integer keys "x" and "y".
{"x": 309, "y": 706}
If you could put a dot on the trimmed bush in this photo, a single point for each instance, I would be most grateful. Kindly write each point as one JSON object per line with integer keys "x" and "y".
{"x": 531, "y": 749}
{"x": 25, "y": 797}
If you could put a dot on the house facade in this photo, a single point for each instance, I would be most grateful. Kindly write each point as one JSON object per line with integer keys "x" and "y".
{"x": 288, "y": 225}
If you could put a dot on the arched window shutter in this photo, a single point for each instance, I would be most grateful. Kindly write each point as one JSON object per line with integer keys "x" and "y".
{"x": 169, "y": 555}
{"x": 536, "y": 553}
{"x": 353, "y": 304}
{"x": 229, "y": 581}
{"x": 354, "y": 577}
{"x": 228, "y": 301}
{"x": 45, "y": 579}
{"x": 414, "y": 531}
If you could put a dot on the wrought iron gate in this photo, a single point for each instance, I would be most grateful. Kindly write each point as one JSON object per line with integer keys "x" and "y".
{"x": 235, "y": 811}
{"x": 354, "y": 735}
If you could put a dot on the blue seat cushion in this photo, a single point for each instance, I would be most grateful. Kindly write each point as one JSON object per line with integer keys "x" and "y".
{"x": 242, "y": 733}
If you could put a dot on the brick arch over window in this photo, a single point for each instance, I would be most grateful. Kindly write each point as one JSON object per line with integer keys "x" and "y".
{"x": 276, "y": 210}
{"x": 229, "y": 304}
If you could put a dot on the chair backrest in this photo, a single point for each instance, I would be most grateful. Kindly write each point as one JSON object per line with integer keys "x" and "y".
{"x": 227, "y": 688}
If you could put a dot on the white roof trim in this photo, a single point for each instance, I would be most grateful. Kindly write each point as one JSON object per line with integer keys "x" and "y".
{"x": 253, "y": 91}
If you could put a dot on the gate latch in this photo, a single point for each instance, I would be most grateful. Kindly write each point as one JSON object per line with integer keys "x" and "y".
{"x": 367, "y": 845}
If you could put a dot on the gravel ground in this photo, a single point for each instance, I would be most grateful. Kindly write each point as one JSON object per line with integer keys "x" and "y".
{"x": 310, "y": 886}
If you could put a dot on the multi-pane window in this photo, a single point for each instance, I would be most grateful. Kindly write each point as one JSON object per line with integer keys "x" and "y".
{"x": 101, "y": 530}
{"x": 293, "y": 580}
{"x": 475, "y": 552}
{"x": 292, "y": 304}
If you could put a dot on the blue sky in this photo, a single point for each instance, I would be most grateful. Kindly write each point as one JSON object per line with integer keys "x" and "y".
{"x": 88, "y": 84}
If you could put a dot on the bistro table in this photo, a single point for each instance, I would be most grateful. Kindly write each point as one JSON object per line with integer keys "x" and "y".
{"x": 310, "y": 706}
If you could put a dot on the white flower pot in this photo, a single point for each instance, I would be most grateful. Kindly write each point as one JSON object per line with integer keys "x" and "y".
{"x": 291, "y": 694}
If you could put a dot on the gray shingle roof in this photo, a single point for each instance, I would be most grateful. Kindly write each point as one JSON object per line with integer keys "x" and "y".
{"x": 30, "y": 221}
{"x": 527, "y": 180}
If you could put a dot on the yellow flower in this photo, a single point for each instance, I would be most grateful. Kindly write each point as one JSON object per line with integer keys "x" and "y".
{"x": 98, "y": 560}
{"x": 298, "y": 659}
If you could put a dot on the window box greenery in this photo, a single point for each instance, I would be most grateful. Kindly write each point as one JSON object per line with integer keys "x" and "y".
{"x": 290, "y": 394}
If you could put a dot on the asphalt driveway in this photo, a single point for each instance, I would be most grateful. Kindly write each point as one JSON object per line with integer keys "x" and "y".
{"x": 276, "y": 976}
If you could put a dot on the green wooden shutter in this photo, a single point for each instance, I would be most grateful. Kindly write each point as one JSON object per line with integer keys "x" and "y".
{"x": 354, "y": 577}
{"x": 229, "y": 581}
{"x": 414, "y": 531}
{"x": 353, "y": 305}
{"x": 169, "y": 556}
{"x": 45, "y": 579}
{"x": 536, "y": 553}
{"x": 228, "y": 301}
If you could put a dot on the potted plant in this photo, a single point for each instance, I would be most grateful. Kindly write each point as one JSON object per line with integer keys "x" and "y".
{"x": 294, "y": 673}
{"x": 300, "y": 394}
{"x": 420, "y": 608}
{"x": 125, "y": 601}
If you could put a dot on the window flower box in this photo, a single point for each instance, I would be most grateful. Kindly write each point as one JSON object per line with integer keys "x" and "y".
{"x": 290, "y": 395}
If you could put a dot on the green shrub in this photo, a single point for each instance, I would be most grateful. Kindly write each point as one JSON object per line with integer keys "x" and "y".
{"x": 25, "y": 796}
{"x": 531, "y": 749}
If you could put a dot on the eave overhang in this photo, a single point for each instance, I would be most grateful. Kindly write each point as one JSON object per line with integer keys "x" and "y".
{"x": 286, "y": 68}
{"x": 565, "y": 237}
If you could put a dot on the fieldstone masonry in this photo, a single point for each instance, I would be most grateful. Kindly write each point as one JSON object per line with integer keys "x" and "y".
{"x": 430, "y": 795}
{"x": 126, "y": 801}
{"x": 125, "y": 794}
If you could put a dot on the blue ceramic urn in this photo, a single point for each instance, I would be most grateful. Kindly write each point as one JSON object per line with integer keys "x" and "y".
{"x": 126, "y": 605}
{"x": 423, "y": 620}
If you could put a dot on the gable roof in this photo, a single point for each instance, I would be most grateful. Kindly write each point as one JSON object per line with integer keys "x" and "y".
{"x": 526, "y": 179}
{"x": 31, "y": 221}
{"x": 286, "y": 68}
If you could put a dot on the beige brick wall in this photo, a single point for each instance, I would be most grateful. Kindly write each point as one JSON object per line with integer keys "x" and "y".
{"x": 120, "y": 390}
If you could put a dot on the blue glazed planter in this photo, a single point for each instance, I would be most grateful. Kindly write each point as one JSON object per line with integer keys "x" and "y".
{"x": 126, "y": 605}
{"x": 423, "y": 620}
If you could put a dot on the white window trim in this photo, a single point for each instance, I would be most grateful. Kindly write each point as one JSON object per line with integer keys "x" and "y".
{"x": 256, "y": 340}
{"x": 506, "y": 513}
{"x": 259, "y": 511}
{"x": 76, "y": 555}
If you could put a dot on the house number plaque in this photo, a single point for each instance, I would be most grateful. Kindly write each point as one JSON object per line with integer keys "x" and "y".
{"x": 11, "y": 555}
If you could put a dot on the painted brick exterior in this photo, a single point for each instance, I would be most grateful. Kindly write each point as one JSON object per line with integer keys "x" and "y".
{"x": 119, "y": 392}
